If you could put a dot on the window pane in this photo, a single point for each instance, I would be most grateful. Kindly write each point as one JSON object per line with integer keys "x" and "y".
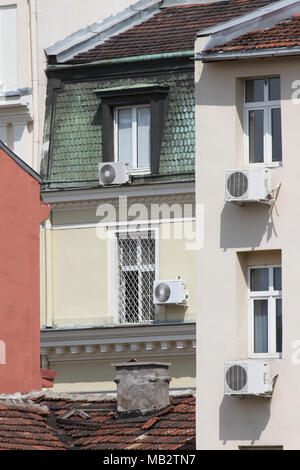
{"x": 255, "y": 90}
{"x": 274, "y": 88}
{"x": 148, "y": 250}
{"x": 278, "y": 325}
{"x": 148, "y": 307}
{"x": 276, "y": 134}
{"x": 143, "y": 117}
{"x": 259, "y": 279}
{"x": 256, "y": 136}
{"x": 125, "y": 135}
{"x": 277, "y": 278}
{"x": 260, "y": 326}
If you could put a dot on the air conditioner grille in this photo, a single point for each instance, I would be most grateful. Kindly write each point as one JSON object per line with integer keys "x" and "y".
{"x": 237, "y": 184}
{"x": 107, "y": 174}
{"x": 236, "y": 377}
{"x": 162, "y": 292}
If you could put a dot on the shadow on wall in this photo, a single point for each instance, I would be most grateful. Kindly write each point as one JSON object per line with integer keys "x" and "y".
{"x": 245, "y": 226}
{"x": 243, "y": 419}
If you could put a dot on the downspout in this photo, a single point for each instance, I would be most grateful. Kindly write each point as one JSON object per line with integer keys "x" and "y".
{"x": 34, "y": 80}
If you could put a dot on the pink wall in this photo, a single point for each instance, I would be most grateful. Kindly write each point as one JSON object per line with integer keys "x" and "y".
{"x": 21, "y": 213}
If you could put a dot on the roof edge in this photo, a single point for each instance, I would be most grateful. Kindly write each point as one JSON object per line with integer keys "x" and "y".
{"x": 122, "y": 60}
{"x": 258, "y": 19}
{"x": 248, "y": 54}
{"x": 21, "y": 162}
{"x": 96, "y": 33}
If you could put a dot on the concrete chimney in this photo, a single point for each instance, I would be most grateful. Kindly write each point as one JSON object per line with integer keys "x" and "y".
{"x": 142, "y": 386}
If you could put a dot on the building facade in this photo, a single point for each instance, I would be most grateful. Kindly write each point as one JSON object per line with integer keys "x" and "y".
{"x": 126, "y": 101}
{"x": 247, "y": 94}
{"x": 21, "y": 215}
{"x": 26, "y": 28}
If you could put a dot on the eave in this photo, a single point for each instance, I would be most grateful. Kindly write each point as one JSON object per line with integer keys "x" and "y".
{"x": 248, "y": 54}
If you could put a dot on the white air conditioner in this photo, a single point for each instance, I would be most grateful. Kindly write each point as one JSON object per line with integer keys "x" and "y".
{"x": 113, "y": 173}
{"x": 250, "y": 377}
{"x": 251, "y": 184}
{"x": 170, "y": 292}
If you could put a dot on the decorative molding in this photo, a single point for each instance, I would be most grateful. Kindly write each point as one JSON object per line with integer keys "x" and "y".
{"x": 118, "y": 343}
{"x": 16, "y": 108}
{"x": 94, "y": 203}
{"x": 147, "y": 194}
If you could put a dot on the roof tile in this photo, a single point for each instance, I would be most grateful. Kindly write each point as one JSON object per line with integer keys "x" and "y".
{"x": 172, "y": 29}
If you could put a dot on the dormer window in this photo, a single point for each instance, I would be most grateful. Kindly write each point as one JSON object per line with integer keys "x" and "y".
{"x": 132, "y": 125}
{"x": 132, "y": 137}
{"x": 263, "y": 120}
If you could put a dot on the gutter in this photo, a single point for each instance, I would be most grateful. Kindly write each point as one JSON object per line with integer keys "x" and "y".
{"x": 123, "y": 60}
{"x": 253, "y": 54}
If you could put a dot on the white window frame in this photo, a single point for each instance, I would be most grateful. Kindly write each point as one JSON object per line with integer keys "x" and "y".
{"x": 134, "y": 161}
{"x": 271, "y": 295}
{"x": 266, "y": 106}
{"x": 113, "y": 272}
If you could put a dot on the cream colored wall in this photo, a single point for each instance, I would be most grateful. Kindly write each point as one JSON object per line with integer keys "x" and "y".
{"x": 94, "y": 376}
{"x": 229, "y": 230}
{"x": 23, "y": 41}
{"x": 77, "y": 282}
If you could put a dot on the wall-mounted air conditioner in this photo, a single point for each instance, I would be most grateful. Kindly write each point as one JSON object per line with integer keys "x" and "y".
{"x": 113, "y": 173}
{"x": 251, "y": 377}
{"x": 170, "y": 292}
{"x": 251, "y": 184}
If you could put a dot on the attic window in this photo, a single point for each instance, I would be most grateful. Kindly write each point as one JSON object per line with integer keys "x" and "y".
{"x": 132, "y": 125}
{"x": 132, "y": 136}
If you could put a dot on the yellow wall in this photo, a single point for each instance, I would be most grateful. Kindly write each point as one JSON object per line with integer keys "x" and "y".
{"x": 93, "y": 376}
{"x": 77, "y": 276}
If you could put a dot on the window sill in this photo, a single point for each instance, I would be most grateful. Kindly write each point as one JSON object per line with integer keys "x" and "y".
{"x": 266, "y": 356}
{"x": 266, "y": 165}
{"x": 139, "y": 171}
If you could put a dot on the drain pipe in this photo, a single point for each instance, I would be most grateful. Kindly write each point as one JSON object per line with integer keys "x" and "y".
{"x": 34, "y": 79}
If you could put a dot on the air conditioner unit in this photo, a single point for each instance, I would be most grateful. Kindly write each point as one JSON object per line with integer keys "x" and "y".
{"x": 170, "y": 292}
{"x": 113, "y": 173}
{"x": 251, "y": 184}
{"x": 250, "y": 377}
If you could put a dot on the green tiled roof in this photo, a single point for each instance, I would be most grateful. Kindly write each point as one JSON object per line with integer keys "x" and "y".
{"x": 76, "y": 135}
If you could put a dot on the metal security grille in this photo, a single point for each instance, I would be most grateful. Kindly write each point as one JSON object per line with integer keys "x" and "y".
{"x": 136, "y": 273}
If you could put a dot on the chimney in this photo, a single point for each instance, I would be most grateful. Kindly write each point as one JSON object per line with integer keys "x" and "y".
{"x": 142, "y": 387}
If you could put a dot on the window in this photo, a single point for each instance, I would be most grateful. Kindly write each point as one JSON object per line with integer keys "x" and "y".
{"x": 265, "y": 303}
{"x": 133, "y": 119}
{"x": 8, "y": 48}
{"x": 263, "y": 120}
{"x": 136, "y": 256}
{"x": 132, "y": 136}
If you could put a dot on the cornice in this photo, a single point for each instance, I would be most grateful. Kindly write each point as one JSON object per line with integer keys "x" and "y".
{"x": 87, "y": 198}
{"x": 90, "y": 344}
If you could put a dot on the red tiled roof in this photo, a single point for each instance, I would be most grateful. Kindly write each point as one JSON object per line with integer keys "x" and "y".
{"x": 283, "y": 34}
{"x": 59, "y": 421}
{"x": 173, "y": 29}
{"x": 25, "y": 427}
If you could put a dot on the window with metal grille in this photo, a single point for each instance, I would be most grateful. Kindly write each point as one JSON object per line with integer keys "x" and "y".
{"x": 136, "y": 273}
